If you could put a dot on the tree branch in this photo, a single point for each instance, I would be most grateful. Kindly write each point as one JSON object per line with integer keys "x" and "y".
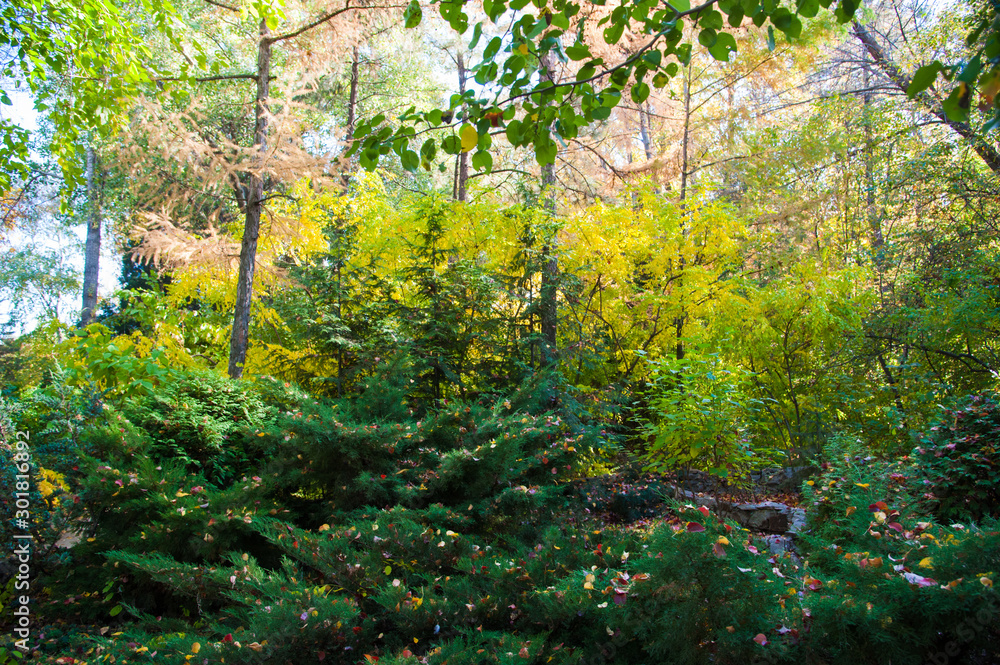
{"x": 223, "y": 5}
{"x": 327, "y": 17}
{"x": 987, "y": 152}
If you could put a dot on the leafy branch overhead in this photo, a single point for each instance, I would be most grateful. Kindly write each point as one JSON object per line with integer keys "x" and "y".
{"x": 979, "y": 72}
{"x": 532, "y": 110}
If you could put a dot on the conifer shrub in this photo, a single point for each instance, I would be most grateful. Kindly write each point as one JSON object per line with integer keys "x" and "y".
{"x": 887, "y": 582}
{"x": 958, "y": 460}
{"x": 204, "y": 421}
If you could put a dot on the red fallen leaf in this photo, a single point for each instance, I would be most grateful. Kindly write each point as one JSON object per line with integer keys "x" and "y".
{"x": 321, "y": 656}
{"x": 523, "y": 653}
{"x": 228, "y": 637}
{"x": 896, "y": 526}
{"x": 877, "y": 506}
{"x": 619, "y": 597}
{"x": 752, "y": 549}
{"x": 760, "y": 639}
{"x": 704, "y": 510}
{"x": 718, "y": 550}
{"x": 729, "y": 529}
{"x": 694, "y": 526}
{"x": 406, "y": 653}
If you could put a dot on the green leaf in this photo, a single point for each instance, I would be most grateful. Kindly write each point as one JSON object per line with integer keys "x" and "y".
{"x": 958, "y": 103}
{"x": 514, "y": 132}
{"x": 545, "y": 151}
{"x": 482, "y": 161}
{"x": 808, "y": 8}
{"x": 770, "y": 38}
{"x": 601, "y": 113}
{"x": 970, "y": 72}
{"x": 712, "y": 20}
{"x": 680, "y": 5}
{"x": 477, "y": 32}
{"x": 586, "y": 72}
{"x": 492, "y": 48}
{"x": 708, "y": 37}
{"x": 578, "y": 52}
{"x": 451, "y": 145}
{"x": 640, "y": 92}
{"x": 614, "y": 32}
{"x": 413, "y": 14}
{"x": 116, "y": 610}
{"x": 410, "y": 159}
{"x": 924, "y": 78}
{"x": 724, "y": 45}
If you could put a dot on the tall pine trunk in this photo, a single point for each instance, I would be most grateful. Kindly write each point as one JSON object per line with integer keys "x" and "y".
{"x": 548, "y": 305}
{"x": 92, "y": 256}
{"x": 462, "y": 174}
{"x": 352, "y": 111}
{"x": 251, "y": 230}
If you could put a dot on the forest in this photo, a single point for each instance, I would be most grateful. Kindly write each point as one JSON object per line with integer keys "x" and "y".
{"x": 500, "y": 331}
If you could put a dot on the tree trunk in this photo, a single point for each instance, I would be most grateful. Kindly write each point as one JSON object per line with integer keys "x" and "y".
{"x": 644, "y": 131}
{"x": 874, "y": 223}
{"x": 248, "y": 250}
{"x": 681, "y": 317}
{"x": 92, "y": 255}
{"x": 462, "y": 175}
{"x": 548, "y": 305}
{"x": 352, "y": 111}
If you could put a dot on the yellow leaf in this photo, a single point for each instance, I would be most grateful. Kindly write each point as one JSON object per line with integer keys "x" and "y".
{"x": 469, "y": 136}
{"x": 926, "y": 562}
{"x": 986, "y": 582}
{"x": 523, "y": 49}
{"x": 324, "y": 527}
{"x": 180, "y": 493}
{"x": 722, "y": 540}
{"x": 865, "y": 485}
{"x": 196, "y": 647}
{"x": 810, "y": 483}
{"x": 850, "y": 510}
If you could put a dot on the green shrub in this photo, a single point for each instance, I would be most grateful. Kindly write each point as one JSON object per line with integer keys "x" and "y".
{"x": 959, "y": 461}
{"x": 204, "y": 421}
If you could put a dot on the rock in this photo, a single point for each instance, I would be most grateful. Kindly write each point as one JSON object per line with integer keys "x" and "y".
{"x": 766, "y": 516}
{"x": 779, "y": 544}
{"x": 788, "y": 479}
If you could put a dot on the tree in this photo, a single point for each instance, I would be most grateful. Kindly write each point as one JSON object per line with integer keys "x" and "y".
{"x": 81, "y": 60}
{"x": 529, "y": 106}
